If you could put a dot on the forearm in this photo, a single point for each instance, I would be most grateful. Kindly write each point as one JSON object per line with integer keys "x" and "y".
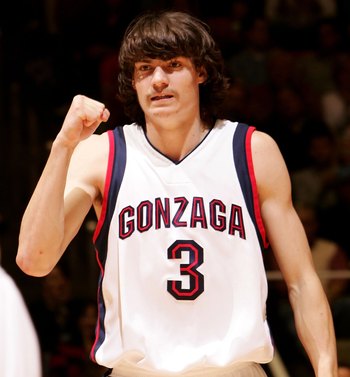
{"x": 42, "y": 228}
{"x": 291, "y": 249}
{"x": 56, "y": 212}
{"x": 314, "y": 325}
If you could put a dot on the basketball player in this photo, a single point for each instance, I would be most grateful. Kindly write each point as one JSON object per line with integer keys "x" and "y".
{"x": 185, "y": 202}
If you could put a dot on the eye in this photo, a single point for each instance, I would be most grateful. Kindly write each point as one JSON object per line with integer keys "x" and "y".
{"x": 174, "y": 64}
{"x": 144, "y": 68}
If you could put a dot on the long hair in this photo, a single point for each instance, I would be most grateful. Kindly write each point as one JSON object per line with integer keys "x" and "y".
{"x": 165, "y": 35}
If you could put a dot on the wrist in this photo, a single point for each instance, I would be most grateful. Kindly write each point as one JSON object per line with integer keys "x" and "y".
{"x": 62, "y": 142}
{"x": 327, "y": 367}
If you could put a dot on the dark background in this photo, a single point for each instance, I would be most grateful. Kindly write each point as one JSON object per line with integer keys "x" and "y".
{"x": 51, "y": 50}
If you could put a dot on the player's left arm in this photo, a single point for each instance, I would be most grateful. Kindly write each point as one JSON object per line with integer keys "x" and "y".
{"x": 312, "y": 315}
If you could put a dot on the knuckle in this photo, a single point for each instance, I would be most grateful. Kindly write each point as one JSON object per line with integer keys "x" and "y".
{"x": 78, "y": 98}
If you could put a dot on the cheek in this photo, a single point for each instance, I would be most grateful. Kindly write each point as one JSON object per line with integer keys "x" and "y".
{"x": 191, "y": 89}
{"x": 139, "y": 91}
{"x": 141, "y": 99}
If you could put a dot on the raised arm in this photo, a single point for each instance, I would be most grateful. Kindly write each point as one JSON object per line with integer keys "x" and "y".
{"x": 288, "y": 241}
{"x": 67, "y": 188}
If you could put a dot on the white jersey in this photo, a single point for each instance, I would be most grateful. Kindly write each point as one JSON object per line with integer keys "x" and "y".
{"x": 20, "y": 353}
{"x": 179, "y": 245}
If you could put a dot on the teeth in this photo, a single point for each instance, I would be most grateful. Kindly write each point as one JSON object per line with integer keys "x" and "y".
{"x": 160, "y": 97}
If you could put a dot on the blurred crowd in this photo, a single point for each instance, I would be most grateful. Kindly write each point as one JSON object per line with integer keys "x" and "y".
{"x": 289, "y": 66}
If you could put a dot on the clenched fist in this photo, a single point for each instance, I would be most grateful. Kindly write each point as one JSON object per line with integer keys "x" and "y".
{"x": 82, "y": 119}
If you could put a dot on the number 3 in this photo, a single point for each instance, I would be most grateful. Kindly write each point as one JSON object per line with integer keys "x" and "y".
{"x": 195, "y": 277}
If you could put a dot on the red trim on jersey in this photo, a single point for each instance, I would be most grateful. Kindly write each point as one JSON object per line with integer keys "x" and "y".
{"x": 98, "y": 229}
{"x": 97, "y": 330}
{"x": 107, "y": 185}
{"x": 257, "y": 212}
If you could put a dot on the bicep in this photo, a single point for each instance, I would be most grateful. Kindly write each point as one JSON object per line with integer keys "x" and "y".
{"x": 284, "y": 229}
{"x": 84, "y": 184}
{"x": 77, "y": 206}
{"x": 83, "y": 170}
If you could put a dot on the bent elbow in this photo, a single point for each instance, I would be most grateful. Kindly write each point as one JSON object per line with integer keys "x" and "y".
{"x": 33, "y": 266}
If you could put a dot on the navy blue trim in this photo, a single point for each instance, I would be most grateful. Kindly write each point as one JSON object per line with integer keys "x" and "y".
{"x": 101, "y": 242}
{"x": 116, "y": 179}
{"x": 241, "y": 164}
{"x": 240, "y": 160}
{"x": 107, "y": 373}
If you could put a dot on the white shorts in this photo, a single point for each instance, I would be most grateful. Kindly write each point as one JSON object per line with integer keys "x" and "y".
{"x": 237, "y": 370}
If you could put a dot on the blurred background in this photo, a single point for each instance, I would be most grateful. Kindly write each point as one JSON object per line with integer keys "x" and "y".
{"x": 289, "y": 64}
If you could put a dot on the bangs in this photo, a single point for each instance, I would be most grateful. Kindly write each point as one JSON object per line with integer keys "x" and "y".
{"x": 158, "y": 37}
{"x": 157, "y": 43}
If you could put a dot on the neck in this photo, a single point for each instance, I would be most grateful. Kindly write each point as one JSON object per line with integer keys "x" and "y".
{"x": 176, "y": 141}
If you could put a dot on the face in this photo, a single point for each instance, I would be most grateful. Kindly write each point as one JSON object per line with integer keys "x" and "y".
{"x": 168, "y": 88}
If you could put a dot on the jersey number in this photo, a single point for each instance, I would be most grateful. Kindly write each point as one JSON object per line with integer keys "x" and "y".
{"x": 196, "y": 279}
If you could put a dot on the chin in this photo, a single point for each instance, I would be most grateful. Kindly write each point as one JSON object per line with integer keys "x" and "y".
{"x": 161, "y": 114}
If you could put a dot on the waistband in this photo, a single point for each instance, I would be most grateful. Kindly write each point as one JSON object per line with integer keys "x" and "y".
{"x": 128, "y": 370}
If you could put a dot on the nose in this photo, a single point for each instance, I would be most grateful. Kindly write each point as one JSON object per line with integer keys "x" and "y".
{"x": 160, "y": 79}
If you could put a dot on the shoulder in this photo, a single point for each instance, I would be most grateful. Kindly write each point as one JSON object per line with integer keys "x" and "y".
{"x": 263, "y": 141}
{"x": 269, "y": 165}
{"x": 89, "y": 162}
{"x": 94, "y": 141}
{"x": 265, "y": 150}
{"x": 91, "y": 149}
{"x": 90, "y": 155}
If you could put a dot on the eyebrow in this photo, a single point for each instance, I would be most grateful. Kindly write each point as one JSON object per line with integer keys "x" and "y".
{"x": 144, "y": 60}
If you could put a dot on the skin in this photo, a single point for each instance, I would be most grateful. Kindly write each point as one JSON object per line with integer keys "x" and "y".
{"x": 73, "y": 181}
{"x": 168, "y": 93}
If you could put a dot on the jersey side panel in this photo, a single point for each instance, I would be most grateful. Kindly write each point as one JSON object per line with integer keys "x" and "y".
{"x": 114, "y": 176}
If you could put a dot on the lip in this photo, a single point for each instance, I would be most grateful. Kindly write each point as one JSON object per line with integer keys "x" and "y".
{"x": 160, "y": 97}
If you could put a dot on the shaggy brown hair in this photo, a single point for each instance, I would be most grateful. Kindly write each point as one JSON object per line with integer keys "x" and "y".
{"x": 165, "y": 35}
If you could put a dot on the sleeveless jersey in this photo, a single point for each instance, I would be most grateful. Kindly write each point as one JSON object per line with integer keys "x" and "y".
{"x": 179, "y": 245}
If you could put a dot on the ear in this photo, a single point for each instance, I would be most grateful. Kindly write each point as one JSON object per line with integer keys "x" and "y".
{"x": 202, "y": 75}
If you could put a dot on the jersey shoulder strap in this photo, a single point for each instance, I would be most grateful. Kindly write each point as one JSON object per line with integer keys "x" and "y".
{"x": 243, "y": 160}
{"x": 114, "y": 178}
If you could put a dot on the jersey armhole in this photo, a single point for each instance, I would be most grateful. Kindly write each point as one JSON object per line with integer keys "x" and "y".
{"x": 107, "y": 185}
{"x": 256, "y": 204}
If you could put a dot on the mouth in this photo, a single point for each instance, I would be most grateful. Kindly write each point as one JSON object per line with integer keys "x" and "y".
{"x": 161, "y": 97}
